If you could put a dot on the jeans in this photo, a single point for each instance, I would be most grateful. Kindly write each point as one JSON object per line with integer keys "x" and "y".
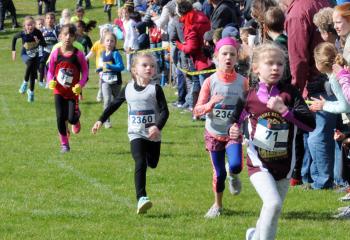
{"x": 321, "y": 147}
{"x": 87, "y": 3}
{"x": 305, "y": 169}
{"x": 181, "y": 86}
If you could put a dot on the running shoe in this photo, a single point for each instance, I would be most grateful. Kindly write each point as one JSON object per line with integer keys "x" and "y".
{"x": 213, "y": 212}
{"x": 76, "y": 128}
{"x": 143, "y": 205}
{"x": 30, "y": 96}
{"x": 23, "y": 88}
{"x": 65, "y": 148}
{"x": 250, "y": 234}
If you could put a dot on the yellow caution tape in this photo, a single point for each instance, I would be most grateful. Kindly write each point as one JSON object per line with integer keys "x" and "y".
{"x": 194, "y": 73}
{"x": 151, "y": 50}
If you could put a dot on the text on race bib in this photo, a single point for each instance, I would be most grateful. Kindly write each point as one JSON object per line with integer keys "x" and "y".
{"x": 65, "y": 77}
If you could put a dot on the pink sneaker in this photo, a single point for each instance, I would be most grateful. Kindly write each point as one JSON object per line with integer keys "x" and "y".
{"x": 76, "y": 128}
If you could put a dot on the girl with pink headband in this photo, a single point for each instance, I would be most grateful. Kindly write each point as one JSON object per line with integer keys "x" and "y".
{"x": 221, "y": 98}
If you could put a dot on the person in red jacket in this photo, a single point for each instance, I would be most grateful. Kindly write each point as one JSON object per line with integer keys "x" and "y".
{"x": 196, "y": 23}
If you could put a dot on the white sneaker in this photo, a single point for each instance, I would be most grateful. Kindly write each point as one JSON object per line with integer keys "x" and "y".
{"x": 108, "y": 124}
{"x": 234, "y": 183}
{"x": 250, "y": 234}
{"x": 345, "y": 198}
{"x": 344, "y": 214}
{"x": 213, "y": 212}
{"x": 143, "y": 205}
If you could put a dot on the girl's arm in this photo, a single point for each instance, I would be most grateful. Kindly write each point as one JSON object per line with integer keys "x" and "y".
{"x": 84, "y": 68}
{"x": 41, "y": 38}
{"x": 204, "y": 105}
{"x": 113, "y": 106}
{"x": 300, "y": 115}
{"x": 344, "y": 80}
{"x": 14, "y": 41}
{"x": 118, "y": 66}
{"x": 51, "y": 69}
{"x": 163, "y": 107}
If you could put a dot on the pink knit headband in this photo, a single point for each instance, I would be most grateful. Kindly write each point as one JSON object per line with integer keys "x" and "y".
{"x": 225, "y": 41}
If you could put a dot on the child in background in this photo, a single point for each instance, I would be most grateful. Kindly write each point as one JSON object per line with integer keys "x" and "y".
{"x": 32, "y": 38}
{"x": 82, "y": 36}
{"x": 97, "y": 49}
{"x": 50, "y": 34}
{"x": 110, "y": 73}
{"x": 219, "y": 98}
{"x": 142, "y": 41}
{"x": 107, "y": 8}
{"x": 147, "y": 115}
{"x": 65, "y": 17}
{"x": 39, "y": 23}
{"x": 79, "y": 15}
{"x": 323, "y": 20}
{"x": 65, "y": 66}
{"x": 275, "y": 111}
{"x": 130, "y": 36}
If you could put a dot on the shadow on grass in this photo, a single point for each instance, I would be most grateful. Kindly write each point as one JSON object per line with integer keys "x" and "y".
{"x": 84, "y": 102}
{"x": 230, "y": 212}
{"x": 308, "y": 215}
{"x": 159, "y": 216}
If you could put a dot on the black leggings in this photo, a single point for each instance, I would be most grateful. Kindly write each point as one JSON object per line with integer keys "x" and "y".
{"x": 31, "y": 71}
{"x": 66, "y": 110}
{"x": 42, "y": 67}
{"x": 145, "y": 153}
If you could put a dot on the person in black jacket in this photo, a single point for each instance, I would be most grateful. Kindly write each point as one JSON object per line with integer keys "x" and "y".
{"x": 225, "y": 12}
{"x": 143, "y": 38}
{"x": 7, "y": 5}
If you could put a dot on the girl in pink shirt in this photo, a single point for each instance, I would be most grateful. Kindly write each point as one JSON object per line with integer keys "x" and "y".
{"x": 65, "y": 67}
{"x": 221, "y": 98}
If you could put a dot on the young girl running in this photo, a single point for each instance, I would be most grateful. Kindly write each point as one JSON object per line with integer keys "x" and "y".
{"x": 31, "y": 40}
{"x": 147, "y": 115}
{"x": 110, "y": 72}
{"x": 50, "y": 34}
{"x": 66, "y": 64}
{"x": 275, "y": 111}
{"x": 97, "y": 49}
{"x": 219, "y": 98}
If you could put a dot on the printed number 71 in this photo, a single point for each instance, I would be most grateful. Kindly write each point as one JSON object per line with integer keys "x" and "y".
{"x": 269, "y": 133}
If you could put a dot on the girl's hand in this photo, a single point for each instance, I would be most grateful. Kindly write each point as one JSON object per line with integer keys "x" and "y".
{"x": 338, "y": 135}
{"x": 52, "y": 84}
{"x": 317, "y": 104}
{"x": 36, "y": 39}
{"x": 215, "y": 99}
{"x": 153, "y": 133}
{"x": 96, "y": 127}
{"x": 234, "y": 132}
{"x": 13, "y": 55}
{"x": 76, "y": 89}
{"x": 276, "y": 104}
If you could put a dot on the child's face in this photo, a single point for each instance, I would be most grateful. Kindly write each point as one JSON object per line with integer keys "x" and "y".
{"x": 80, "y": 29}
{"x": 67, "y": 38}
{"x": 65, "y": 14}
{"x": 145, "y": 68}
{"x": 109, "y": 42}
{"x": 29, "y": 26}
{"x": 49, "y": 21}
{"x": 341, "y": 25}
{"x": 227, "y": 58}
{"x": 39, "y": 24}
{"x": 270, "y": 67}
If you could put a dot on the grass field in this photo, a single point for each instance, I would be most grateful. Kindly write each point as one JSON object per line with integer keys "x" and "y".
{"x": 89, "y": 192}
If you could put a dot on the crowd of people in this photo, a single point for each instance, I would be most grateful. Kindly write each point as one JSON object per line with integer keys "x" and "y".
{"x": 270, "y": 74}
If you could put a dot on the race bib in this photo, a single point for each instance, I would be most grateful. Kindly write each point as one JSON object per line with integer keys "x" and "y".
{"x": 140, "y": 121}
{"x": 32, "y": 52}
{"x": 271, "y": 136}
{"x": 65, "y": 77}
{"x": 109, "y": 77}
{"x": 222, "y": 113}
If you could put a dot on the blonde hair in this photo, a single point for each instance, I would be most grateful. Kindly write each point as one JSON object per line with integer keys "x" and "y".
{"x": 28, "y": 18}
{"x": 323, "y": 19}
{"x": 261, "y": 49}
{"x": 326, "y": 55}
{"x": 344, "y": 10}
{"x": 136, "y": 58}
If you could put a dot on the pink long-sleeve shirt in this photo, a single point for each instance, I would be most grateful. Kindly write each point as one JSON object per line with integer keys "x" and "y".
{"x": 52, "y": 72}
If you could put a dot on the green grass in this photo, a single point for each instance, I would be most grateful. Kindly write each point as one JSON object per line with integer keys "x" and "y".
{"x": 89, "y": 192}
